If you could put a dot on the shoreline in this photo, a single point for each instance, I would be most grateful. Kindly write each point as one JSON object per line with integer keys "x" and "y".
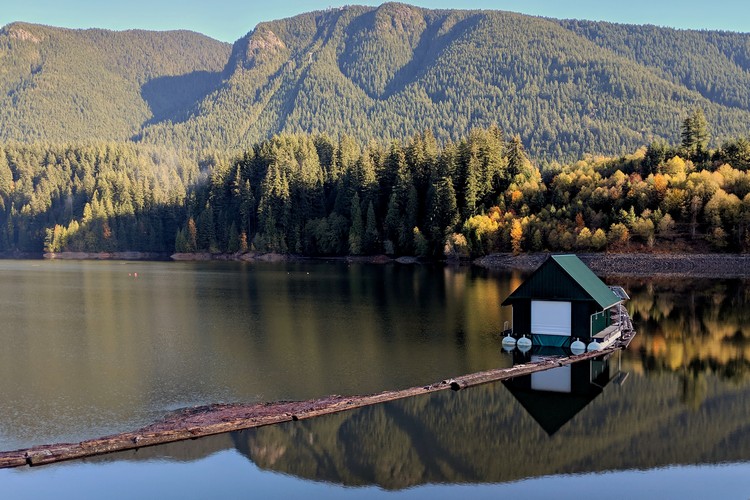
{"x": 208, "y": 256}
{"x": 663, "y": 265}
{"x": 636, "y": 265}
{"x": 105, "y": 256}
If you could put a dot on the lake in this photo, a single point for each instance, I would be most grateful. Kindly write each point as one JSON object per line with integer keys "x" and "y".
{"x": 92, "y": 348}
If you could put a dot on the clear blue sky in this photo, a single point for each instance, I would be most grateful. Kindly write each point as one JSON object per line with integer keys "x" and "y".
{"x": 229, "y": 20}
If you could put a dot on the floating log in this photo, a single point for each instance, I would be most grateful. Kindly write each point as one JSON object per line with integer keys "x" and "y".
{"x": 212, "y": 419}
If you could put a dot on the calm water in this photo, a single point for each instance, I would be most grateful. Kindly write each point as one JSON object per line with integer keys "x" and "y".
{"x": 88, "y": 348}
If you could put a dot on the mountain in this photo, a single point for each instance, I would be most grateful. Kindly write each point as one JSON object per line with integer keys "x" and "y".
{"x": 715, "y": 64}
{"x": 70, "y": 85}
{"x": 566, "y": 87}
{"x": 394, "y": 70}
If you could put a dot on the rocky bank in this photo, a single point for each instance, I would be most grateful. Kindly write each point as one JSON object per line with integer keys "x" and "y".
{"x": 637, "y": 264}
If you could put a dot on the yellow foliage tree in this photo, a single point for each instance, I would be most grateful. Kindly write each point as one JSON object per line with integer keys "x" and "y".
{"x": 583, "y": 239}
{"x": 516, "y": 236}
{"x": 599, "y": 239}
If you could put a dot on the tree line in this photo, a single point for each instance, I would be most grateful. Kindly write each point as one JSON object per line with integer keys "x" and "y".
{"x": 313, "y": 195}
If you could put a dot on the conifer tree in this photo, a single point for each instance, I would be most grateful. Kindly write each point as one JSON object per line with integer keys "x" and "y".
{"x": 357, "y": 230}
{"x": 6, "y": 178}
{"x": 371, "y": 237}
{"x": 695, "y": 135}
{"x": 518, "y": 161}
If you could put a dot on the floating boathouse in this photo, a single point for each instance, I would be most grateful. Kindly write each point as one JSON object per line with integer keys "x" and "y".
{"x": 563, "y": 300}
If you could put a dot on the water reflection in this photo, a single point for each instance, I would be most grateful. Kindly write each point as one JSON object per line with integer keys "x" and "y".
{"x": 88, "y": 349}
{"x": 693, "y": 328}
{"x": 488, "y": 434}
{"x": 553, "y": 397}
{"x": 204, "y": 332}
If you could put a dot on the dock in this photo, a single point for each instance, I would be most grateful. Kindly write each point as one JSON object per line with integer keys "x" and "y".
{"x": 213, "y": 419}
{"x": 621, "y": 327}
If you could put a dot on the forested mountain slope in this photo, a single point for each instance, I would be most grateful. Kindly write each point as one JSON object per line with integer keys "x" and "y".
{"x": 395, "y": 70}
{"x": 70, "y": 85}
{"x": 715, "y": 64}
{"x": 566, "y": 87}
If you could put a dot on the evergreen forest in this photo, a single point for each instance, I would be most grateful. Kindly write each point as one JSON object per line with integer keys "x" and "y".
{"x": 311, "y": 195}
{"x": 567, "y": 88}
{"x": 363, "y": 131}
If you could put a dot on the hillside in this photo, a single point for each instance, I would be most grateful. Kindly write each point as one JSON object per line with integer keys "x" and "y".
{"x": 396, "y": 70}
{"x": 70, "y": 85}
{"x": 566, "y": 87}
{"x": 713, "y": 63}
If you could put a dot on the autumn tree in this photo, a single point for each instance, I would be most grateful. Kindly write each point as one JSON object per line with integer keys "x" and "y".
{"x": 516, "y": 236}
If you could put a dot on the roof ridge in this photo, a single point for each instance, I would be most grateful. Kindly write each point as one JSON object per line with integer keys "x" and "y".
{"x": 590, "y": 282}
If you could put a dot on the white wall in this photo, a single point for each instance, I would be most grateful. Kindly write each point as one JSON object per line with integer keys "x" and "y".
{"x": 550, "y": 317}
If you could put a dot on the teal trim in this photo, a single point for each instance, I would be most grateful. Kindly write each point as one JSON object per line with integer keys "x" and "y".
{"x": 550, "y": 340}
{"x": 559, "y": 352}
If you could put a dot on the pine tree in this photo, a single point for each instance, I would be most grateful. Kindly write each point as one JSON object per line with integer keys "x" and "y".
{"x": 695, "y": 136}
{"x": 365, "y": 179}
{"x": 518, "y": 161}
{"x": 233, "y": 243}
{"x": 442, "y": 213}
{"x": 357, "y": 230}
{"x": 471, "y": 189}
{"x": 274, "y": 210}
{"x": 206, "y": 230}
{"x": 6, "y": 177}
{"x": 408, "y": 222}
{"x": 371, "y": 237}
{"x": 392, "y": 222}
{"x": 181, "y": 244}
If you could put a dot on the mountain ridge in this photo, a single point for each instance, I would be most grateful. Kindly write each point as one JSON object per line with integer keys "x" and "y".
{"x": 567, "y": 87}
{"x": 71, "y": 85}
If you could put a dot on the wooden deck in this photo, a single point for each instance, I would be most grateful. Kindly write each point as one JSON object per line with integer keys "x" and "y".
{"x": 621, "y": 327}
{"x": 607, "y": 333}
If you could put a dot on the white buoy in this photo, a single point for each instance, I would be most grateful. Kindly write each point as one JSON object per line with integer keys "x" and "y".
{"x": 509, "y": 343}
{"x": 524, "y": 344}
{"x": 594, "y": 346}
{"x": 577, "y": 347}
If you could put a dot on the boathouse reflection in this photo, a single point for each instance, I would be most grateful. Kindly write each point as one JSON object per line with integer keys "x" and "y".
{"x": 485, "y": 434}
{"x": 555, "y": 396}
{"x": 688, "y": 365}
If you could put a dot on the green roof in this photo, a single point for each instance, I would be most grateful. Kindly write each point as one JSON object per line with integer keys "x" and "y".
{"x": 564, "y": 277}
{"x": 585, "y": 277}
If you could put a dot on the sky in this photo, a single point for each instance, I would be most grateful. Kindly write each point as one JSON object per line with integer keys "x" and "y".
{"x": 229, "y": 20}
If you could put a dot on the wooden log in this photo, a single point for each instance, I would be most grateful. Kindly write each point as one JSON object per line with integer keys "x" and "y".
{"x": 219, "y": 418}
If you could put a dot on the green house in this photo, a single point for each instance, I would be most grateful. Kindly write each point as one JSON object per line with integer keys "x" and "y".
{"x": 563, "y": 299}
